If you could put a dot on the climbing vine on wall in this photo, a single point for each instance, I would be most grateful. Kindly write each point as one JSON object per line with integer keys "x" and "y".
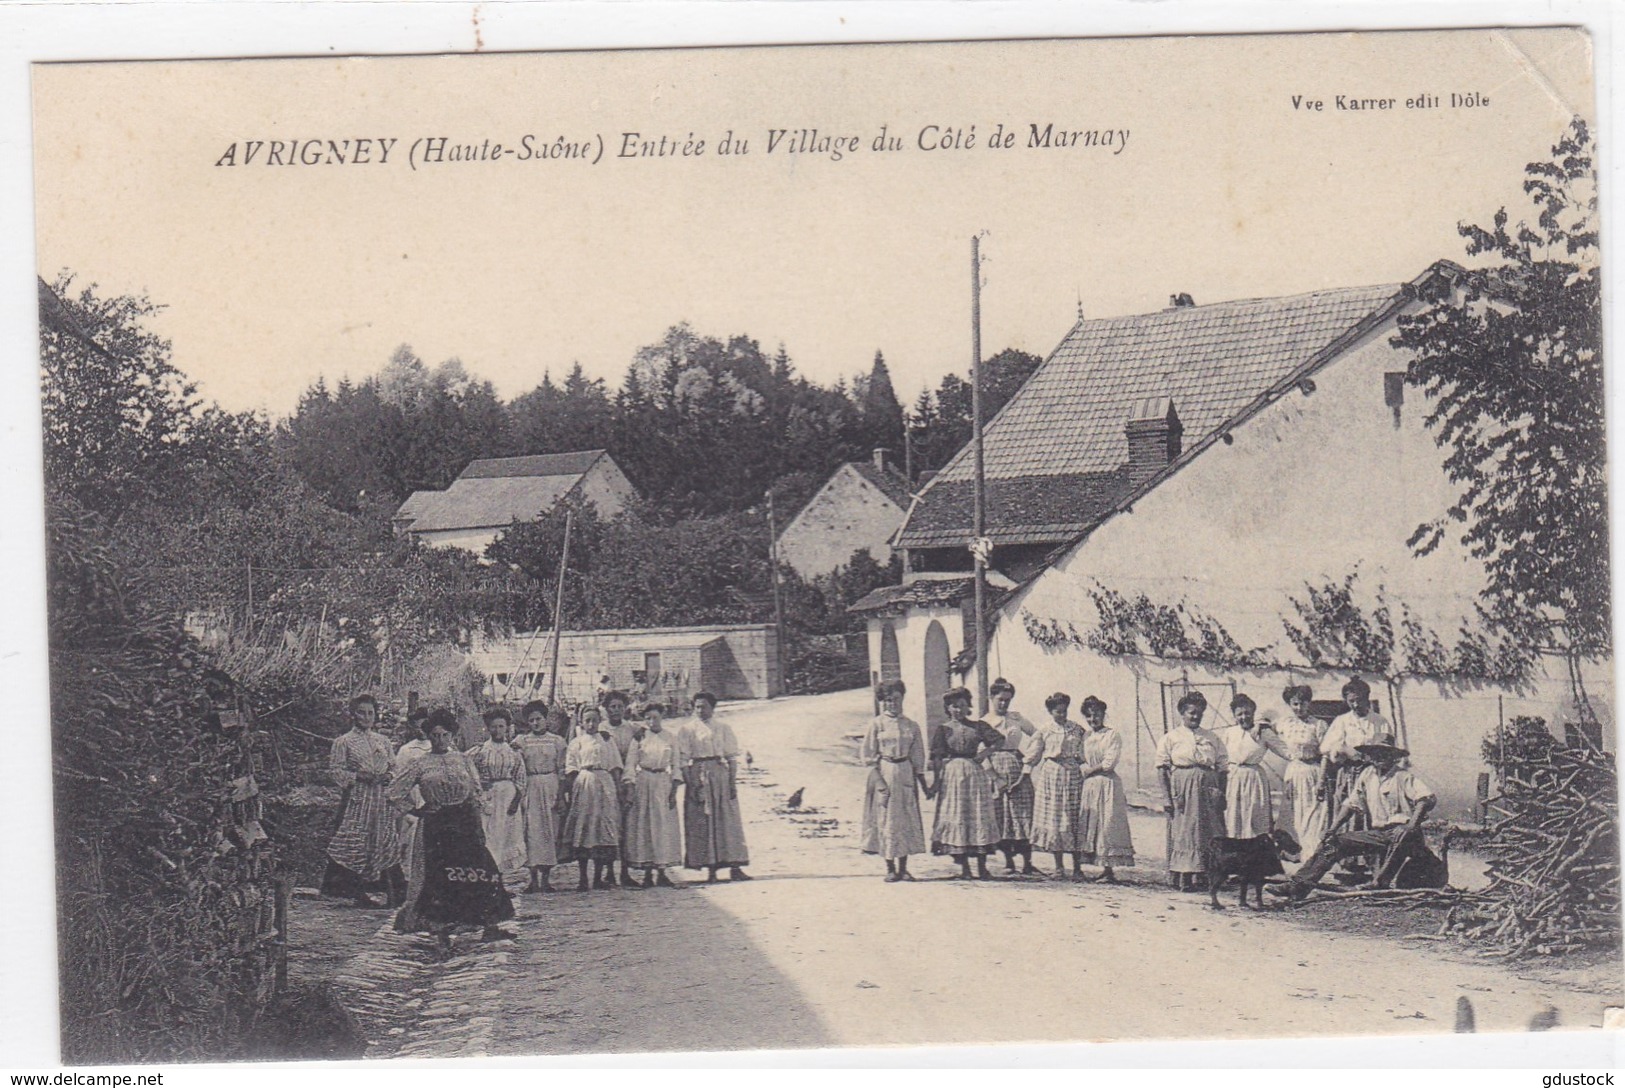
{"x": 1335, "y": 631}
{"x": 1330, "y": 628}
{"x": 1139, "y": 626}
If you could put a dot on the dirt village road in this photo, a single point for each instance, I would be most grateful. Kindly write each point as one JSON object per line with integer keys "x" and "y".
{"x": 818, "y": 951}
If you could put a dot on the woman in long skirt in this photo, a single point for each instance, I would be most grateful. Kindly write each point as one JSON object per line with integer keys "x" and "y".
{"x": 592, "y": 815}
{"x": 454, "y": 879}
{"x": 1055, "y": 764}
{"x": 965, "y": 826}
{"x": 1106, "y": 838}
{"x": 1302, "y": 781}
{"x": 413, "y": 747}
{"x": 1248, "y": 810}
{"x": 653, "y": 842}
{"x": 502, "y": 780}
{"x": 1012, "y": 788}
{"x": 364, "y": 854}
{"x": 543, "y": 752}
{"x": 895, "y": 752}
{"x": 708, "y": 756}
{"x": 1191, "y": 762}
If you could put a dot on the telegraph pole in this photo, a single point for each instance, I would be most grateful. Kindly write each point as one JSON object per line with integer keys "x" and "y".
{"x": 778, "y": 604}
{"x": 979, "y": 545}
{"x": 558, "y": 610}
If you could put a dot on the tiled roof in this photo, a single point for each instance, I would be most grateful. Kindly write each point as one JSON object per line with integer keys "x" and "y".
{"x": 415, "y": 504}
{"x": 497, "y": 492}
{"x": 1061, "y": 439}
{"x": 923, "y": 591}
{"x": 541, "y": 464}
{"x": 891, "y": 484}
{"x": 1024, "y": 510}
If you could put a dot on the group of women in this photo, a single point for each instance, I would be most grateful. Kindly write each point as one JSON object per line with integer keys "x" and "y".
{"x": 1008, "y": 786}
{"x": 1216, "y": 784}
{"x": 515, "y": 804}
{"x": 1012, "y": 786}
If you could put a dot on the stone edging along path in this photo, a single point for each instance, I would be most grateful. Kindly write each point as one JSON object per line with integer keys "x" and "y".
{"x": 409, "y": 1006}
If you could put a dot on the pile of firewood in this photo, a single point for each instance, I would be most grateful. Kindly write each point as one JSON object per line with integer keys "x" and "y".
{"x": 1554, "y": 877}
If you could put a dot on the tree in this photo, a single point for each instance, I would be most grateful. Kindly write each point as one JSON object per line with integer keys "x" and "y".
{"x": 882, "y": 415}
{"x": 117, "y": 414}
{"x": 942, "y": 422}
{"x": 1511, "y": 364}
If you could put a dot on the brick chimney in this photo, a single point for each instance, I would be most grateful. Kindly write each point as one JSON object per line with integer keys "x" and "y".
{"x": 1155, "y": 438}
{"x": 880, "y": 459}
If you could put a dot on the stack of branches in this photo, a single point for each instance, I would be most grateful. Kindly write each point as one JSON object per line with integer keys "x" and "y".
{"x": 1554, "y": 878}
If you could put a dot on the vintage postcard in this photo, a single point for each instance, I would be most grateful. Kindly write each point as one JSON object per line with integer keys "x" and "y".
{"x": 827, "y": 546}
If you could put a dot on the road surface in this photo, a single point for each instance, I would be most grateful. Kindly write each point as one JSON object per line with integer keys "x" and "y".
{"x": 818, "y": 951}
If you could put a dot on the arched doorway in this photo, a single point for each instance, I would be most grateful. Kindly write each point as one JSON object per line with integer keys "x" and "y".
{"x": 936, "y": 672}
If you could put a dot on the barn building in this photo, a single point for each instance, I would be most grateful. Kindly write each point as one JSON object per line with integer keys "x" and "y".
{"x": 493, "y": 493}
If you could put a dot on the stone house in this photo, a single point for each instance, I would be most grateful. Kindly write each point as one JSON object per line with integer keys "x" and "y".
{"x": 1214, "y": 463}
{"x": 860, "y": 506}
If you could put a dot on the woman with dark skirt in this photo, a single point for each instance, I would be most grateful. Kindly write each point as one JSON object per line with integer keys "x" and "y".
{"x": 1192, "y": 763}
{"x": 708, "y": 757}
{"x": 592, "y": 816}
{"x": 454, "y": 881}
{"x": 965, "y": 826}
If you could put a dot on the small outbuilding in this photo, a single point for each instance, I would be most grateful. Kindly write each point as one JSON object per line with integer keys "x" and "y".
{"x": 667, "y": 664}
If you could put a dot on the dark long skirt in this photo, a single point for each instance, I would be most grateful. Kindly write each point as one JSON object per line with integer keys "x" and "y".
{"x": 713, "y": 833}
{"x": 461, "y": 882}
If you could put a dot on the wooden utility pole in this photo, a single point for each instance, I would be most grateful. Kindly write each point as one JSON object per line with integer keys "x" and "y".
{"x": 908, "y": 450}
{"x": 778, "y": 604}
{"x": 558, "y": 610}
{"x": 979, "y": 547}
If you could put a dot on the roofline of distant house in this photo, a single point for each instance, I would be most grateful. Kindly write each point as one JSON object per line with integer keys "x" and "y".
{"x": 1408, "y": 292}
{"x": 823, "y": 487}
{"x": 597, "y": 455}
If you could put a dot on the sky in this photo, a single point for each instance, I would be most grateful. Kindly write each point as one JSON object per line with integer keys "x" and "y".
{"x": 274, "y": 276}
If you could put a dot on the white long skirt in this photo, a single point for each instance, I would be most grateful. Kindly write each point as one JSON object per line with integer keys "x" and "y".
{"x": 1247, "y": 812}
{"x": 504, "y": 831}
{"x": 541, "y": 821}
{"x": 1304, "y": 807}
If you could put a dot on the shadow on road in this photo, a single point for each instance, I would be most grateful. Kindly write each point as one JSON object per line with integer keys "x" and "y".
{"x": 619, "y": 970}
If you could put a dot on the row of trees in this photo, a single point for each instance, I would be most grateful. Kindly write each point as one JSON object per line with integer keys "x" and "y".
{"x": 703, "y": 426}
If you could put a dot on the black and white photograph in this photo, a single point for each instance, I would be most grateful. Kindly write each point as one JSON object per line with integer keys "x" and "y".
{"x": 793, "y": 547}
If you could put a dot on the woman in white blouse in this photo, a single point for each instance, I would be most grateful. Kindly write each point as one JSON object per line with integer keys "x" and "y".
{"x": 1302, "y": 781}
{"x": 708, "y": 756}
{"x": 1248, "y": 811}
{"x": 1192, "y": 764}
{"x": 1106, "y": 838}
{"x": 895, "y": 750}
{"x": 653, "y": 842}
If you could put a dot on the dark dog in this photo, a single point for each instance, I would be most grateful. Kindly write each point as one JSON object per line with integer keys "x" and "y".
{"x": 1251, "y": 861}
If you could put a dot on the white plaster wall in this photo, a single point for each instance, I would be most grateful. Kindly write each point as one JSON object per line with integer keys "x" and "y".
{"x": 473, "y": 540}
{"x": 607, "y": 488}
{"x": 846, "y": 514}
{"x": 911, "y": 629}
